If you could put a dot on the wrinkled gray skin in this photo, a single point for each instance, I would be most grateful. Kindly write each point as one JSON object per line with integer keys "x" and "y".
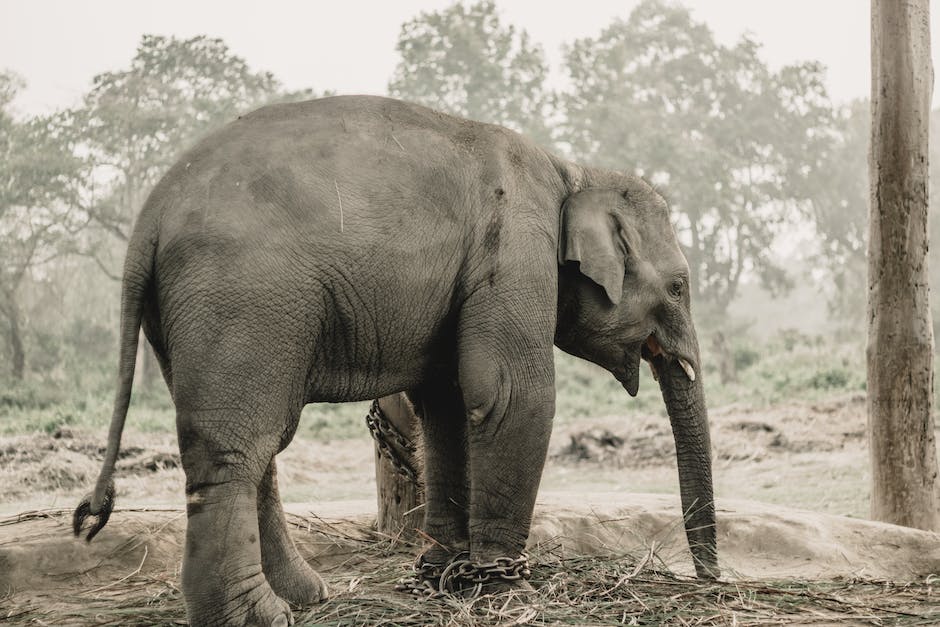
{"x": 348, "y": 248}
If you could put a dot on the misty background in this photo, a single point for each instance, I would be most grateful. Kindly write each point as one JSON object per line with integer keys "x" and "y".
{"x": 761, "y": 153}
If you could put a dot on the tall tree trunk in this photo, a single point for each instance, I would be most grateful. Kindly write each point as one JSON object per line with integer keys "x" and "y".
{"x": 694, "y": 255}
{"x": 905, "y": 489}
{"x": 18, "y": 353}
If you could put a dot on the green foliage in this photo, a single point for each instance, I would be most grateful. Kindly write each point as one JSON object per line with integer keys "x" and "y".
{"x": 135, "y": 122}
{"x": 806, "y": 372}
{"x": 465, "y": 61}
{"x": 83, "y": 402}
{"x": 738, "y": 148}
{"x": 745, "y": 356}
{"x": 333, "y": 421}
{"x": 40, "y": 207}
{"x": 94, "y": 165}
{"x": 830, "y": 378}
{"x": 727, "y": 139}
{"x": 18, "y": 396}
{"x": 586, "y": 390}
{"x": 837, "y": 200}
{"x": 791, "y": 338}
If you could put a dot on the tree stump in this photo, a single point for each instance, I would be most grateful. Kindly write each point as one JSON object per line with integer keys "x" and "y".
{"x": 399, "y": 489}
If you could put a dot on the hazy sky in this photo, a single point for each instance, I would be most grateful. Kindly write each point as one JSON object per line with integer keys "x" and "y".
{"x": 348, "y": 45}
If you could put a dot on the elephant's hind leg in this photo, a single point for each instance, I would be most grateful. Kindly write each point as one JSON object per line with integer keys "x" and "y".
{"x": 288, "y": 573}
{"x": 444, "y": 429}
{"x": 228, "y": 435}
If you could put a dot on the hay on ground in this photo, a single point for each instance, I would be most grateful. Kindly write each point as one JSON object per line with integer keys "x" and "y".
{"x": 363, "y": 566}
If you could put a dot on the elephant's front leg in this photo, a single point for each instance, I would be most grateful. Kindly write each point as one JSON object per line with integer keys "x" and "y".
{"x": 444, "y": 428}
{"x": 290, "y": 576}
{"x": 510, "y": 405}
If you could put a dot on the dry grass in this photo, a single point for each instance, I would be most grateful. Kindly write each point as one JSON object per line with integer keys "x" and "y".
{"x": 363, "y": 566}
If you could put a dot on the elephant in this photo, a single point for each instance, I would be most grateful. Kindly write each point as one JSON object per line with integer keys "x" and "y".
{"x": 352, "y": 247}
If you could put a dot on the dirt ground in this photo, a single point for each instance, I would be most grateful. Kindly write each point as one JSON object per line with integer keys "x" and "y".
{"x": 594, "y": 527}
{"x": 807, "y": 455}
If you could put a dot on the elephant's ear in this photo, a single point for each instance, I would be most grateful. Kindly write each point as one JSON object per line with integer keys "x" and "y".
{"x": 590, "y": 234}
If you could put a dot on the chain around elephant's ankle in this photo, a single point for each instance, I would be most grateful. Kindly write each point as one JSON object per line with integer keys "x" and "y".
{"x": 463, "y": 572}
{"x": 461, "y": 575}
{"x": 424, "y": 580}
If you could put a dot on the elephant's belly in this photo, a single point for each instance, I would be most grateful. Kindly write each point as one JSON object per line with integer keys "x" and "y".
{"x": 335, "y": 380}
{"x": 378, "y": 348}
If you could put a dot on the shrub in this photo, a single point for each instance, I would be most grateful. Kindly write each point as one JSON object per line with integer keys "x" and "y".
{"x": 745, "y": 356}
{"x": 829, "y": 379}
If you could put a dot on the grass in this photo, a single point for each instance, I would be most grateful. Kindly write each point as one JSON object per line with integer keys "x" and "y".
{"x": 42, "y": 407}
{"x": 787, "y": 367}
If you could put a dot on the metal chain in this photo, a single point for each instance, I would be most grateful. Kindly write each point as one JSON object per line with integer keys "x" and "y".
{"x": 385, "y": 433}
{"x": 423, "y": 582}
{"x": 459, "y": 574}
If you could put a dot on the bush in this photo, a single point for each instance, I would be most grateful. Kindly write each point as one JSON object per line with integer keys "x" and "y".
{"x": 58, "y": 420}
{"x": 791, "y": 338}
{"x": 21, "y": 395}
{"x": 745, "y": 357}
{"x": 830, "y": 378}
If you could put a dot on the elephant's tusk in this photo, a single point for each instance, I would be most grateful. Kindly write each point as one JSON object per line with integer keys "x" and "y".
{"x": 687, "y": 367}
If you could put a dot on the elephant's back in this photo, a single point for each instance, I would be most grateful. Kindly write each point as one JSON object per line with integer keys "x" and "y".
{"x": 323, "y": 167}
{"x": 356, "y": 182}
{"x": 306, "y": 210}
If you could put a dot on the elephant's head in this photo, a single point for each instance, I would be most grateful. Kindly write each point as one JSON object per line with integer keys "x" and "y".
{"x": 623, "y": 297}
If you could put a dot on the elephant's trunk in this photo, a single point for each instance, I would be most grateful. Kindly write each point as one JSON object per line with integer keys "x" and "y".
{"x": 685, "y": 402}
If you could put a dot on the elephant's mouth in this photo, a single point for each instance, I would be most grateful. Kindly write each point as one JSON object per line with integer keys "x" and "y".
{"x": 629, "y": 372}
{"x": 652, "y": 352}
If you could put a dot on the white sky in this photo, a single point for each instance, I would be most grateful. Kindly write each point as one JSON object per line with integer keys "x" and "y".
{"x": 348, "y": 45}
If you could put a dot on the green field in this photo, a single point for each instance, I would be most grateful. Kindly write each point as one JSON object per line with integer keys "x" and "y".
{"x": 790, "y": 366}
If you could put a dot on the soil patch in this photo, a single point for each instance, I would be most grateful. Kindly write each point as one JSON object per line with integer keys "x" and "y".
{"x": 596, "y": 561}
{"x": 739, "y": 433}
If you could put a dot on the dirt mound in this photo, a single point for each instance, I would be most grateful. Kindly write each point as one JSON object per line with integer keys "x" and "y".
{"x": 64, "y": 464}
{"x": 584, "y": 553}
{"x": 739, "y": 433}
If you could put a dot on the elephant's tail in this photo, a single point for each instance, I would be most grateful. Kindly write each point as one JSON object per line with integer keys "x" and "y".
{"x": 135, "y": 282}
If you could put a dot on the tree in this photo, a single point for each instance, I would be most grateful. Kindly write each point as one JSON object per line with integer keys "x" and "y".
{"x": 135, "y": 123}
{"x": 837, "y": 198}
{"x": 905, "y": 489}
{"x": 40, "y": 208}
{"x": 726, "y": 138}
{"x": 464, "y": 61}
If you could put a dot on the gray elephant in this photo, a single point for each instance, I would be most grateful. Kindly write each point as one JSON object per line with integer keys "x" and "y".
{"x": 348, "y": 248}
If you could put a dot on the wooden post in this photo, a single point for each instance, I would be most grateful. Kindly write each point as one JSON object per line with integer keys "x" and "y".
{"x": 905, "y": 490}
{"x": 399, "y": 498}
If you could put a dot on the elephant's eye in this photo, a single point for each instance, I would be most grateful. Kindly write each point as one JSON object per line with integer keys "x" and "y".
{"x": 676, "y": 288}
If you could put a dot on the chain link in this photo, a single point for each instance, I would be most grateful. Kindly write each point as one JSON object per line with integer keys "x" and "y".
{"x": 459, "y": 574}
{"x": 385, "y": 434}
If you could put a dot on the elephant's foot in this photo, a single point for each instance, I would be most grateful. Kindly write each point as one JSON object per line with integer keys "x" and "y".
{"x": 296, "y": 582}
{"x": 250, "y": 602}
{"x": 443, "y": 554}
{"x": 517, "y": 592}
{"x": 288, "y": 573}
